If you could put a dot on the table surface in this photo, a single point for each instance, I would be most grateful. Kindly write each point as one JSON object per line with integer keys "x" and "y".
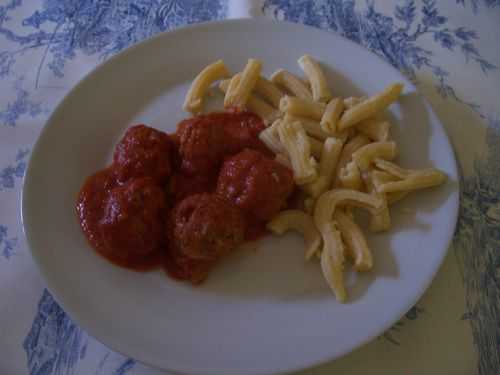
{"x": 450, "y": 49}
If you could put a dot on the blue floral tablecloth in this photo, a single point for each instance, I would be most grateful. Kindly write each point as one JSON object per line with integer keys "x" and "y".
{"x": 450, "y": 49}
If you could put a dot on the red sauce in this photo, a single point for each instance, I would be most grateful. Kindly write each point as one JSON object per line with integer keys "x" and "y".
{"x": 202, "y": 228}
{"x": 186, "y": 199}
{"x": 143, "y": 152}
{"x": 256, "y": 184}
{"x": 115, "y": 224}
{"x": 207, "y": 139}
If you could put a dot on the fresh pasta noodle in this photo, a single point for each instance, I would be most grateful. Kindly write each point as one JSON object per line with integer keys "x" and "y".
{"x": 350, "y": 147}
{"x": 375, "y": 129}
{"x": 311, "y": 127}
{"x": 329, "y": 157}
{"x": 294, "y": 139}
{"x": 193, "y": 102}
{"x": 396, "y": 196}
{"x": 316, "y": 147}
{"x": 356, "y": 247}
{"x": 371, "y": 106}
{"x": 332, "y": 260}
{"x": 331, "y": 116}
{"x": 271, "y": 138}
{"x": 381, "y": 220}
{"x": 292, "y": 83}
{"x": 301, "y": 222}
{"x": 328, "y": 202}
{"x": 352, "y": 101}
{"x": 365, "y": 155}
{"x": 266, "y": 112}
{"x": 426, "y": 179}
{"x": 302, "y": 107}
{"x": 328, "y": 162}
{"x": 268, "y": 91}
{"x": 229, "y": 88}
{"x": 377, "y": 178}
{"x": 314, "y": 73}
{"x": 238, "y": 97}
{"x": 350, "y": 177}
{"x": 393, "y": 169}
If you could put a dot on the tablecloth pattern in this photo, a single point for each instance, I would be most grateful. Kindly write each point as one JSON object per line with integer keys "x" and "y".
{"x": 450, "y": 49}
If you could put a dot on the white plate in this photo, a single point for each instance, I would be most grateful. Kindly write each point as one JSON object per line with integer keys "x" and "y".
{"x": 260, "y": 312}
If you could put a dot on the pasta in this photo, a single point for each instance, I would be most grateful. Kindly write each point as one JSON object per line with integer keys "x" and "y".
{"x": 292, "y": 83}
{"x": 350, "y": 177}
{"x": 328, "y": 161}
{"x": 339, "y": 151}
{"x": 356, "y": 247}
{"x": 331, "y": 116}
{"x": 375, "y": 129}
{"x": 254, "y": 104}
{"x": 380, "y": 221}
{"x": 346, "y": 156}
{"x": 396, "y": 196}
{"x": 371, "y": 106}
{"x": 421, "y": 180}
{"x": 332, "y": 260}
{"x": 302, "y": 107}
{"x": 365, "y": 155}
{"x": 393, "y": 169}
{"x": 295, "y": 141}
{"x": 229, "y": 88}
{"x": 313, "y": 72}
{"x": 301, "y": 222}
{"x": 311, "y": 127}
{"x": 352, "y": 101}
{"x": 268, "y": 91}
{"x": 238, "y": 97}
{"x": 397, "y": 179}
{"x": 378, "y": 178}
{"x": 194, "y": 98}
{"x": 271, "y": 139}
{"x": 328, "y": 202}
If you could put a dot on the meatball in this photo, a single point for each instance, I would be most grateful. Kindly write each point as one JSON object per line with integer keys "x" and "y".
{"x": 204, "y": 227}
{"x": 201, "y": 145}
{"x": 206, "y": 139}
{"x": 255, "y": 183}
{"x": 242, "y": 131}
{"x": 182, "y": 267}
{"x": 182, "y": 186}
{"x": 143, "y": 152}
{"x": 133, "y": 220}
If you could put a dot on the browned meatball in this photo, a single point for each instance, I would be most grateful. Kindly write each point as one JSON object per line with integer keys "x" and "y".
{"x": 202, "y": 228}
{"x": 133, "y": 219}
{"x": 143, "y": 152}
{"x": 205, "y": 227}
{"x": 202, "y": 145}
{"x": 206, "y": 139}
{"x": 255, "y": 183}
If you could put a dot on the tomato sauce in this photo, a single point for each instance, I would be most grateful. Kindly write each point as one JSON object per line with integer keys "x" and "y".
{"x": 183, "y": 200}
{"x": 93, "y": 202}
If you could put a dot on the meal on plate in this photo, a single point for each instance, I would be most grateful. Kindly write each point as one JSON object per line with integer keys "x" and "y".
{"x": 286, "y": 153}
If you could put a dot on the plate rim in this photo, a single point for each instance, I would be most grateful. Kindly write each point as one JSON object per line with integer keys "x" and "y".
{"x": 75, "y": 315}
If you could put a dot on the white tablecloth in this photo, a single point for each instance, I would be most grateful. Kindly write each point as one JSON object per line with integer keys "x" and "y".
{"x": 449, "y": 48}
